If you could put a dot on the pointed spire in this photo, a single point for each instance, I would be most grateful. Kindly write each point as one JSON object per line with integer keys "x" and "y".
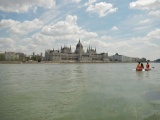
{"x": 79, "y": 40}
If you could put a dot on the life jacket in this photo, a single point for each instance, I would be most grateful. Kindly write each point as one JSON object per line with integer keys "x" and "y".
{"x": 139, "y": 66}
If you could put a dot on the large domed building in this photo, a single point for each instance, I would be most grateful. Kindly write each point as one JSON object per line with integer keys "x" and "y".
{"x": 79, "y": 48}
{"x": 66, "y": 54}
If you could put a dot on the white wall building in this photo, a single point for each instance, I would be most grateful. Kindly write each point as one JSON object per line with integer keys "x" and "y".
{"x": 66, "y": 54}
{"x": 11, "y": 56}
{"x": 122, "y": 58}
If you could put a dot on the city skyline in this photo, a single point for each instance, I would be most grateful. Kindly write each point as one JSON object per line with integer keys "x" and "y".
{"x": 129, "y": 28}
{"x": 68, "y": 50}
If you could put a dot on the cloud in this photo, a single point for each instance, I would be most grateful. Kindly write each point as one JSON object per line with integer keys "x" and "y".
{"x": 105, "y": 38}
{"x": 144, "y": 21}
{"x": 77, "y": 1}
{"x": 6, "y": 40}
{"x": 152, "y": 35}
{"x": 145, "y": 4}
{"x": 114, "y": 28}
{"x": 7, "y": 23}
{"x": 150, "y": 45}
{"x": 155, "y": 13}
{"x": 20, "y": 28}
{"x": 155, "y": 34}
{"x": 32, "y": 46}
{"x": 62, "y": 27}
{"x": 123, "y": 44}
{"x": 139, "y": 29}
{"x": 137, "y": 46}
{"x": 21, "y": 6}
{"x": 120, "y": 46}
{"x": 21, "y": 48}
{"x": 90, "y": 2}
{"x": 7, "y": 44}
{"x": 69, "y": 33}
{"x": 66, "y": 32}
{"x": 40, "y": 39}
{"x": 102, "y": 8}
{"x": 73, "y": 1}
{"x": 67, "y": 29}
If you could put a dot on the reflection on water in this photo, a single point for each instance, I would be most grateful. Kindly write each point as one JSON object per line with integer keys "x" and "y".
{"x": 140, "y": 75}
{"x": 78, "y": 91}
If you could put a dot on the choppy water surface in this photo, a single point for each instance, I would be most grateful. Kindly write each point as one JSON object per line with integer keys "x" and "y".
{"x": 79, "y": 92}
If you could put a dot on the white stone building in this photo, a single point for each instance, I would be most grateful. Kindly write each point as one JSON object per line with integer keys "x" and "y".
{"x": 66, "y": 54}
{"x": 12, "y": 56}
{"x": 122, "y": 58}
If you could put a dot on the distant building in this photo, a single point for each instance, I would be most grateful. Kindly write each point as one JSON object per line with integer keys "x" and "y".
{"x": 21, "y": 56}
{"x": 122, "y": 58}
{"x": 66, "y": 54}
{"x": 12, "y": 56}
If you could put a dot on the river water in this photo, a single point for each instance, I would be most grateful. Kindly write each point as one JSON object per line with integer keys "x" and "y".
{"x": 110, "y": 91}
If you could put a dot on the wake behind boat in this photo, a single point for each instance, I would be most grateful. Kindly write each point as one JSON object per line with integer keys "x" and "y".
{"x": 147, "y": 69}
{"x": 139, "y": 69}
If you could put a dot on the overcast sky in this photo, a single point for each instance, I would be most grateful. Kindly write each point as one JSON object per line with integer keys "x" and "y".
{"x": 127, "y": 27}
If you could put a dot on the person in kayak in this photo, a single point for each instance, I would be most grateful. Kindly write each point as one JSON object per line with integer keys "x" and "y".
{"x": 139, "y": 67}
{"x": 147, "y": 65}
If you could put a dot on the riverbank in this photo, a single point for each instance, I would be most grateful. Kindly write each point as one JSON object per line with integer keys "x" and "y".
{"x": 45, "y": 62}
{"x": 57, "y": 62}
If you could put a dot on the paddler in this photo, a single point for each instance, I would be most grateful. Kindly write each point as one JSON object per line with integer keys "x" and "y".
{"x": 139, "y": 66}
{"x": 147, "y": 65}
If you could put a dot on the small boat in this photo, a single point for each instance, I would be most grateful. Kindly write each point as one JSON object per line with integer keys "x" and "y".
{"x": 147, "y": 69}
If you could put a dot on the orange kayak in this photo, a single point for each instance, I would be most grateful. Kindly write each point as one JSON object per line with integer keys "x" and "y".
{"x": 138, "y": 69}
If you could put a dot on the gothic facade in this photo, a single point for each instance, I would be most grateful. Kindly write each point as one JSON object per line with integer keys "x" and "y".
{"x": 66, "y": 54}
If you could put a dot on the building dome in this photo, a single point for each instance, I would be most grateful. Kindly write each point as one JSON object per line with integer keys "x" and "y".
{"x": 65, "y": 49}
{"x": 79, "y": 44}
{"x": 79, "y": 48}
